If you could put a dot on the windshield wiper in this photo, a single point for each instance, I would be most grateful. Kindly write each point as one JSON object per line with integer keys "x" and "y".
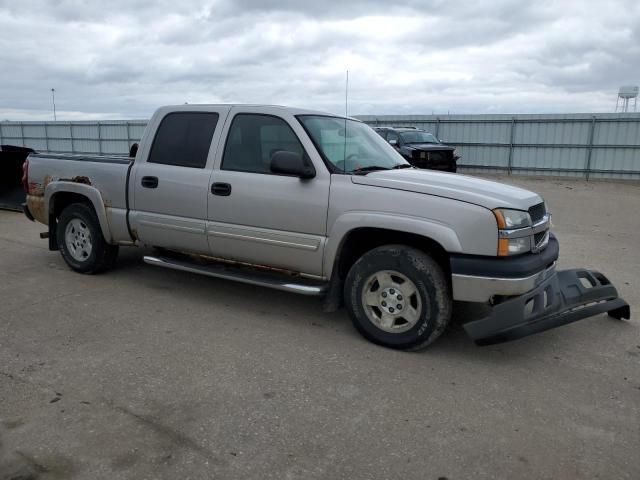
{"x": 401, "y": 165}
{"x": 365, "y": 170}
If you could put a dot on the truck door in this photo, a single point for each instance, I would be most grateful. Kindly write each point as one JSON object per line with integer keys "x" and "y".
{"x": 169, "y": 207}
{"x": 260, "y": 217}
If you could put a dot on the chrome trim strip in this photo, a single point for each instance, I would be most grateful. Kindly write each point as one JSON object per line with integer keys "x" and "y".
{"x": 266, "y": 280}
{"x": 170, "y": 226}
{"x": 270, "y": 241}
{"x": 543, "y": 224}
{"x": 545, "y": 219}
{"x": 472, "y": 288}
{"x": 538, "y": 227}
{"x": 517, "y": 233}
{"x": 542, "y": 244}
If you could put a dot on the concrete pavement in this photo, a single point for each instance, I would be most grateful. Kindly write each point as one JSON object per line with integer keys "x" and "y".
{"x": 151, "y": 373}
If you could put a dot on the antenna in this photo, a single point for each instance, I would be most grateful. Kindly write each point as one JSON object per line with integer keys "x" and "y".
{"x": 346, "y": 111}
{"x": 346, "y": 96}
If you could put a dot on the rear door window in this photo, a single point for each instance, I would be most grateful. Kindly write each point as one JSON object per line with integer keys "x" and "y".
{"x": 183, "y": 139}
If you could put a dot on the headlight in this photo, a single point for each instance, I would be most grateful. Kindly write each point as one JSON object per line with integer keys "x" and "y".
{"x": 511, "y": 219}
{"x": 508, "y": 221}
{"x": 513, "y": 246}
{"x": 456, "y": 153}
{"x": 423, "y": 154}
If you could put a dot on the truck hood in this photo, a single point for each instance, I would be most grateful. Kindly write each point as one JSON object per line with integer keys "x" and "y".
{"x": 481, "y": 192}
{"x": 429, "y": 146}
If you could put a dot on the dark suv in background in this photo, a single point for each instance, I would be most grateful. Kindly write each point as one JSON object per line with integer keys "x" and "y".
{"x": 420, "y": 148}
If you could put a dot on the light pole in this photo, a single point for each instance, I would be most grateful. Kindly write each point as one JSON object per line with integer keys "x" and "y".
{"x": 53, "y": 98}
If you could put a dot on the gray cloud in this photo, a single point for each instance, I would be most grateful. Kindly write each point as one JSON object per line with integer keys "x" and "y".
{"x": 122, "y": 59}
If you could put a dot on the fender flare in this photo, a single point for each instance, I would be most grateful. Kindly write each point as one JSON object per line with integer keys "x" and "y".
{"x": 436, "y": 231}
{"x": 91, "y": 193}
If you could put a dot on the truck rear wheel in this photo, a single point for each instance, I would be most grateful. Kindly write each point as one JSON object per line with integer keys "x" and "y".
{"x": 81, "y": 242}
{"x": 398, "y": 297}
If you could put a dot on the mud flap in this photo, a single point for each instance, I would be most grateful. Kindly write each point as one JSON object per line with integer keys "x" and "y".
{"x": 565, "y": 297}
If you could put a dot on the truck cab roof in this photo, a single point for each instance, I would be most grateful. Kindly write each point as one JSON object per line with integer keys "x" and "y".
{"x": 283, "y": 108}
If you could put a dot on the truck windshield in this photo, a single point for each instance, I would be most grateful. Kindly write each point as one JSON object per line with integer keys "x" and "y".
{"x": 351, "y": 146}
{"x": 418, "y": 137}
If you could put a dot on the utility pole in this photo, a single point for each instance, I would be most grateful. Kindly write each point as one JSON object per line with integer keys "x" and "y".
{"x": 53, "y": 98}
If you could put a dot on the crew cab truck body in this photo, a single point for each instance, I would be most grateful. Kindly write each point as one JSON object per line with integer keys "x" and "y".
{"x": 317, "y": 204}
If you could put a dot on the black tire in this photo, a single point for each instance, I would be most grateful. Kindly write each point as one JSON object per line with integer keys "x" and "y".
{"x": 430, "y": 282}
{"x": 102, "y": 257}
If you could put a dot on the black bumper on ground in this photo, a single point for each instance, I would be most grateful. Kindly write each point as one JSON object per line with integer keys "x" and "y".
{"x": 565, "y": 297}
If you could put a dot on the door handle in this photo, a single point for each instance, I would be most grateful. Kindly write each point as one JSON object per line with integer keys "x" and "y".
{"x": 222, "y": 189}
{"x": 149, "y": 182}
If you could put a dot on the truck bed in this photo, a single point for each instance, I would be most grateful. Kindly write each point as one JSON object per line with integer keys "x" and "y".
{"x": 106, "y": 173}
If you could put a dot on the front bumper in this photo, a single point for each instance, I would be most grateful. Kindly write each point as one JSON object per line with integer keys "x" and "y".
{"x": 479, "y": 279}
{"x": 564, "y": 297}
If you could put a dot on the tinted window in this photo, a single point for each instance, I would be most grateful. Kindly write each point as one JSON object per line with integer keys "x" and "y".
{"x": 183, "y": 139}
{"x": 392, "y": 136}
{"x": 418, "y": 137}
{"x": 349, "y": 144}
{"x": 253, "y": 139}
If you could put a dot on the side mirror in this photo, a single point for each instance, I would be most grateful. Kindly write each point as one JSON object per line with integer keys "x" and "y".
{"x": 393, "y": 142}
{"x": 292, "y": 163}
{"x": 133, "y": 150}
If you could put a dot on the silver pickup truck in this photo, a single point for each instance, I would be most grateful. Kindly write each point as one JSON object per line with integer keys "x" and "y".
{"x": 317, "y": 204}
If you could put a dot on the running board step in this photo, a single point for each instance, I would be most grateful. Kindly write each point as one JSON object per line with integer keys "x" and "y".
{"x": 242, "y": 274}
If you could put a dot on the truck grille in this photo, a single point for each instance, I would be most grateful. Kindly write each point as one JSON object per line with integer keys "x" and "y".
{"x": 537, "y": 238}
{"x": 434, "y": 160}
{"x": 537, "y": 212}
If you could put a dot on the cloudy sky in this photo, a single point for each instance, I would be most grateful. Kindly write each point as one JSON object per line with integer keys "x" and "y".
{"x": 123, "y": 58}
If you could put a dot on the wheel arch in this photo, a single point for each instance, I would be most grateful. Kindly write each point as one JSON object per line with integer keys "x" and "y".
{"x": 360, "y": 240}
{"x": 374, "y": 229}
{"x": 344, "y": 249}
{"x": 59, "y": 195}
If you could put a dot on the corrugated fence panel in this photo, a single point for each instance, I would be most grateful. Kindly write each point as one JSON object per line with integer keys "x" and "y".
{"x": 136, "y": 131}
{"x": 617, "y": 159}
{"x": 580, "y": 145}
{"x": 60, "y": 145}
{"x": 549, "y": 158}
{"x": 474, "y": 132}
{"x": 39, "y": 144}
{"x": 617, "y": 133}
{"x": 115, "y": 146}
{"x": 59, "y": 131}
{"x": 431, "y": 127}
{"x": 113, "y": 132}
{"x": 485, "y": 156}
{"x": 551, "y": 133}
{"x": 84, "y": 131}
{"x": 86, "y": 146}
{"x": 34, "y": 131}
{"x": 10, "y": 130}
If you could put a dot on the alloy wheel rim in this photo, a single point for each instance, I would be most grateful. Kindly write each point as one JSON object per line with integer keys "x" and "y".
{"x": 391, "y": 301}
{"x": 77, "y": 238}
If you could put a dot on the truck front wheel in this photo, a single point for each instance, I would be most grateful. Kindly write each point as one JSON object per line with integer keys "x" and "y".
{"x": 398, "y": 297}
{"x": 81, "y": 242}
